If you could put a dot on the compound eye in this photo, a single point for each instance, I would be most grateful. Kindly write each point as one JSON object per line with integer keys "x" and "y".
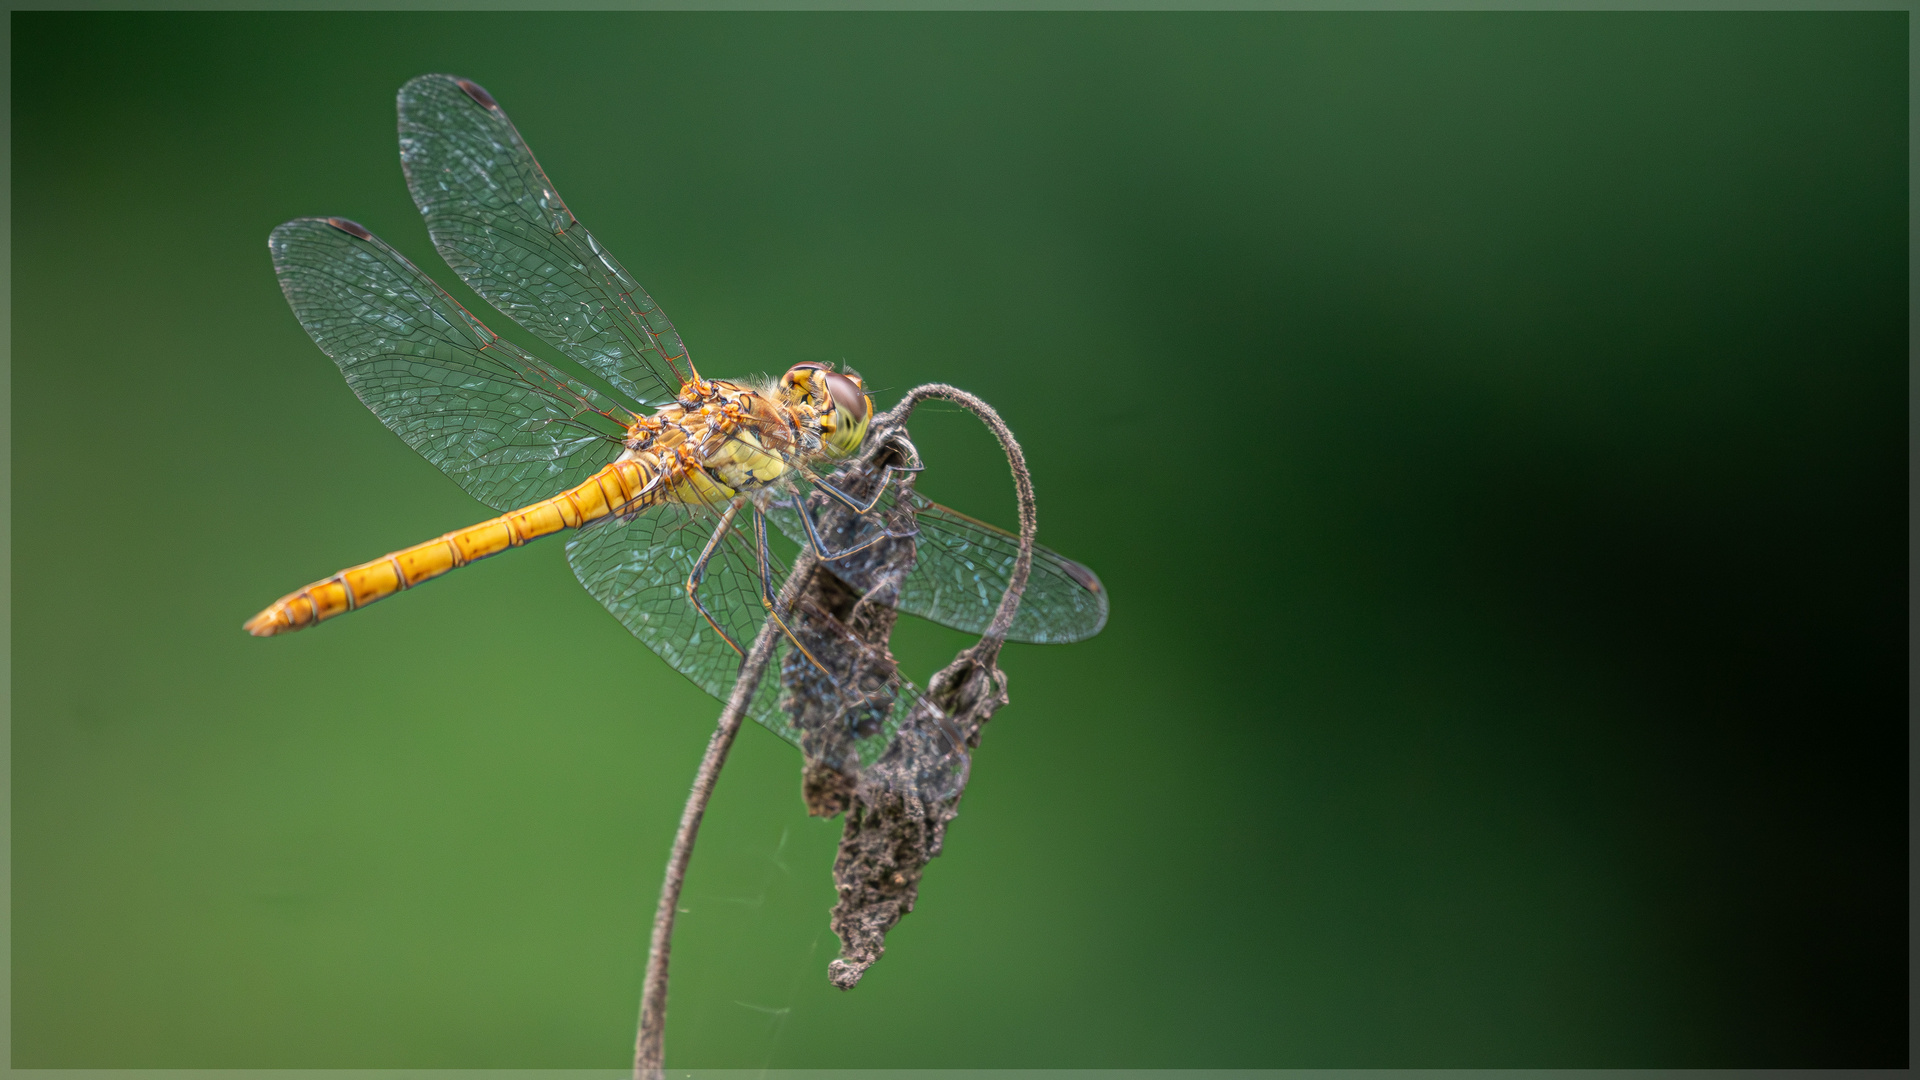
{"x": 846, "y": 394}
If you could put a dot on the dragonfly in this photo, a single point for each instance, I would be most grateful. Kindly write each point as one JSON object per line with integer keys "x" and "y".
{"x": 665, "y": 481}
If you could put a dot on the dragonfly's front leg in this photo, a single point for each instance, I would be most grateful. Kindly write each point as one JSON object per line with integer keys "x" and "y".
{"x": 819, "y": 544}
{"x": 887, "y": 532}
{"x": 700, "y": 572}
{"x": 886, "y": 480}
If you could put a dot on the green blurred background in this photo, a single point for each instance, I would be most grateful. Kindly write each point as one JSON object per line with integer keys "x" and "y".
{"x": 1491, "y": 429}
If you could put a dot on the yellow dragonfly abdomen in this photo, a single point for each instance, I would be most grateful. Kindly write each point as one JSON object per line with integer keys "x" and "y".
{"x": 624, "y": 486}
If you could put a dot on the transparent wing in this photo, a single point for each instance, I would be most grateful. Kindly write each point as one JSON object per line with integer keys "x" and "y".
{"x": 638, "y": 568}
{"x": 840, "y": 700}
{"x": 501, "y": 225}
{"x": 960, "y": 572}
{"x": 505, "y": 426}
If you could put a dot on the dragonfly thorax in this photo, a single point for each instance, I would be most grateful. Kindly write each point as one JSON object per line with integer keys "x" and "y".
{"x": 722, "y": 438}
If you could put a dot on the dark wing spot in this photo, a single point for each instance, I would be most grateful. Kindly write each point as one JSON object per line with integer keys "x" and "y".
{"x": 1081, "y": 574}
{"x": 351, "y": 228}
{"x": 478, "y": 93}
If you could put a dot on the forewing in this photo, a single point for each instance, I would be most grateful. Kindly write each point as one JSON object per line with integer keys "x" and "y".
{"x": 501, "y": 225}
{"x": 505, "y": 426}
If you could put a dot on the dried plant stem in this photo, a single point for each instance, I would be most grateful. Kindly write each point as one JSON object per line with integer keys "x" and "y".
{"x": 649, "y": 1048}
{"x": 996, "y": 631}
{"x": 893, "y": 830}
{"x": 649, "y": 1052}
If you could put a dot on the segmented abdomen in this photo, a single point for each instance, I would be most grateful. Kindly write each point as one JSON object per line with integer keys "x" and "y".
{"x": 622, "y": 486}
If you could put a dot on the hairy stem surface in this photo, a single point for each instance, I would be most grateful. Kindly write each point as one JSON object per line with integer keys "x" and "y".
{"x": 1022, "y": 488}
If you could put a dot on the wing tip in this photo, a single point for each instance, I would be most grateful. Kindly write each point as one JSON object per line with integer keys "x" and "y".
{"x": 1082, "y": 575}
{"x": 478, "y": 93}
{"x": 1099, "y": 626}
{"x": 468, "y": 87}
{"x": 301, "y": 232}
{"x": 350, "y": 227}
{"x": 306, "y": 224}
{"x": 1077, "y": 635}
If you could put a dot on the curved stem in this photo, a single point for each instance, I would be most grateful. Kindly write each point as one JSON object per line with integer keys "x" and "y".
{"x": 900, "y": 829}
{"x": 996, "y": 631}
{"x": 649, "y": 1048}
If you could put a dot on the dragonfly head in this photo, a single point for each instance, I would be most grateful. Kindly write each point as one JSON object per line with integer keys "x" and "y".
{"x": 839, "y": 399}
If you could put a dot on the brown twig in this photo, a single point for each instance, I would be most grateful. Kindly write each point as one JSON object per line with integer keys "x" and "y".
{"x": 996, "y": 631}
{"x": 649, "y": 1048}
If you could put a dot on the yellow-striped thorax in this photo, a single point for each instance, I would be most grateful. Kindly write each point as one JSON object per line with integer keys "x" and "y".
{"x": 722, "y": 438}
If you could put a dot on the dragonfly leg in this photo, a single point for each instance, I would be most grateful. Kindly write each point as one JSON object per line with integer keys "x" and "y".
{"x": 887, "y": 532}
{"x": 903, "y": 447}
{"x": 700, "y": 572}
{"x": 767, "y": 592}
{"x": 852, "y": 504}
{"x": 819, "y": 544}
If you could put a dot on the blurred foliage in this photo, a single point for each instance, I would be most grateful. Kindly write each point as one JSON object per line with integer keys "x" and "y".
{"x": 1492, "y": 429}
